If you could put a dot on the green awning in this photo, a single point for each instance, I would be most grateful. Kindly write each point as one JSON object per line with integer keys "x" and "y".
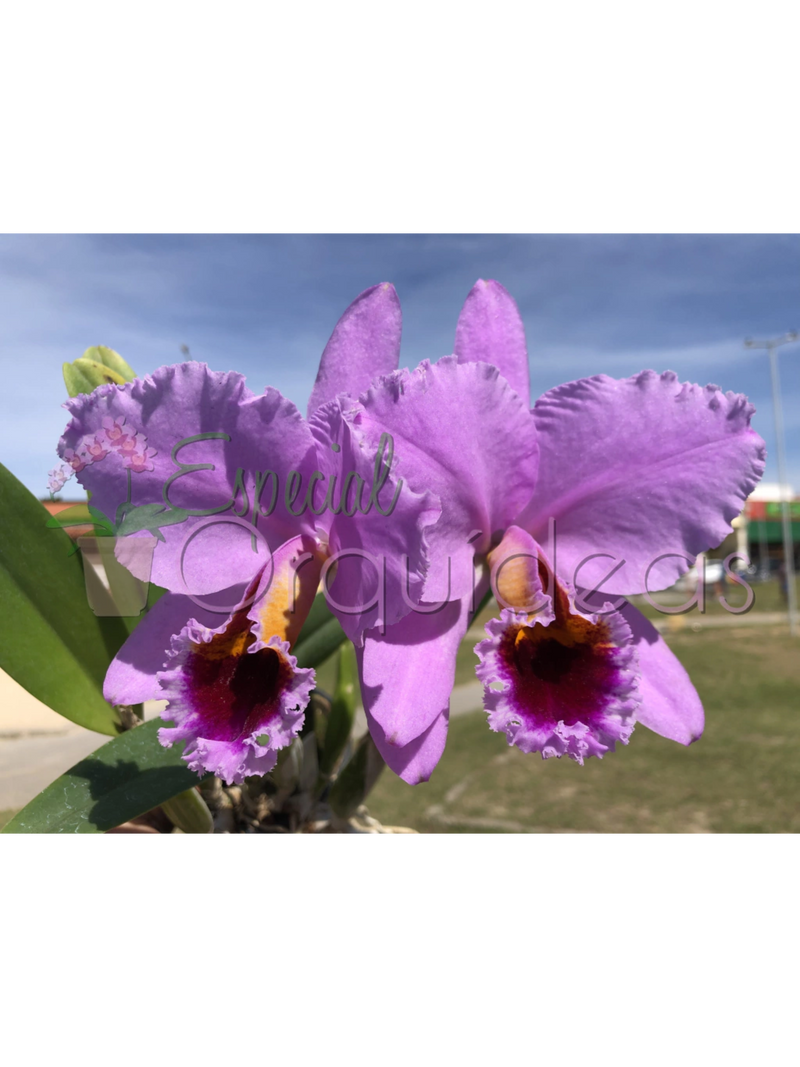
{"x": 770, "y": 532}
{"x": 773, "y": 509}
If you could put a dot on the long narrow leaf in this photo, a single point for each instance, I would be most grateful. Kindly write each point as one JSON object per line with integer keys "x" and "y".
{"x": 50, "y": 640}
{"x": 133, "y": 773}
{"x": 321, "y": 644}
{"x": 120, "y": 780}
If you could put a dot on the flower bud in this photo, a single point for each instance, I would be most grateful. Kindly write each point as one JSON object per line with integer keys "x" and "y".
{"x": 98, "y": 365}
{"x": 111, "y": 359}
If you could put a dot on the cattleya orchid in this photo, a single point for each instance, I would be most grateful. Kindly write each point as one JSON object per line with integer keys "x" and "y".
{"x": 605, "y": 485}
{"x": 217, "y": 645}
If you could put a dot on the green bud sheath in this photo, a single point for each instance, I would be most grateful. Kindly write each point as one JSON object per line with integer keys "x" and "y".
{"x": 107, "y": 357}
{"x": 189, "y": 812}
{"x": 98, "y": 365}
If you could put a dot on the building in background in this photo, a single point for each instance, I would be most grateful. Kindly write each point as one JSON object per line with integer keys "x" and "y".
{"x": 757, "y": 536}
{"x": 763, "y": 527}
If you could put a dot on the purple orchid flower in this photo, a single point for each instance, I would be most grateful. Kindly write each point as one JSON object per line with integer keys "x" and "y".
{"x": 486, "y": 482}
{"x": 271, "y": 501}
{"x": 633, "y": 477}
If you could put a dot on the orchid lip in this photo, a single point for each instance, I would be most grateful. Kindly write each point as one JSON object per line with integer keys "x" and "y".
{"x": 563, "y": 685}
{"x": 559, "y": 681}
{"x": 235, "y": 698}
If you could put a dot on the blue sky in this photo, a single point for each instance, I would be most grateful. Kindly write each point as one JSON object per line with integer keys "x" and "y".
{"x": 265, "y": 305}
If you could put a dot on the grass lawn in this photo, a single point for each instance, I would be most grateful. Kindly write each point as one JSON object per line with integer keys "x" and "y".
{"x": 740, "y": 777}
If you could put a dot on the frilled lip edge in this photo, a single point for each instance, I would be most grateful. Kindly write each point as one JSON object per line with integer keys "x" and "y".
{"x": 614, "y": 719}
{"x": 236, "y": 758}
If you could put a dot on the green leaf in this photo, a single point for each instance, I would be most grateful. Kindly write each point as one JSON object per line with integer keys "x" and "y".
{"x": 319, "y": 614}
{"x": 109, "y": 358}
{"x": 51, "y": 642}
{"x": 314, "y": 649}
{"x": 343, "y": 710}
{"x": 356, "y": 779}
{"x": 122, "y": 779}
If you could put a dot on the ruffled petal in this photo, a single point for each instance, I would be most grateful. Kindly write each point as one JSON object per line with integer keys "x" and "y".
{"x": 490, "y": 330}
{"x": 637, "y": 469}
{"x": 235, "y": 698}
{"x": 365, "y": 343}
{"x": 375, "y": 525}
{"x": 560, "y": 684}
{"x": 414, "y": 762}
{"x": 132, "y": 676}
{"x": 460, "y": 431}
{"x": 670, "y": 704}
{"x": 261, "y": 434}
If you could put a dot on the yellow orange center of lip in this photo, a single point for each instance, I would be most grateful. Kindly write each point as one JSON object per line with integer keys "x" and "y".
{"x": 569, "y": 631}
{"x": 293, "y": 586}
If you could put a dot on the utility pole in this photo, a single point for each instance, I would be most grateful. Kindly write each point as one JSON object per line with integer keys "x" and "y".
{"x": 783, "y": 479}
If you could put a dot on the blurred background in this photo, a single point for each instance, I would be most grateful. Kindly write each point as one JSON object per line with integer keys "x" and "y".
{"x": 265, "y": 306}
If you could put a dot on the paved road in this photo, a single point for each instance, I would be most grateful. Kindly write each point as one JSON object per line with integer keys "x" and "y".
{"x": 37, "y": 744}
{"x": 29, "y": 763}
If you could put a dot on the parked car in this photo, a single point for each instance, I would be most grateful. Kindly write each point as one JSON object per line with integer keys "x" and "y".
{"x": 713, "y": 572}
